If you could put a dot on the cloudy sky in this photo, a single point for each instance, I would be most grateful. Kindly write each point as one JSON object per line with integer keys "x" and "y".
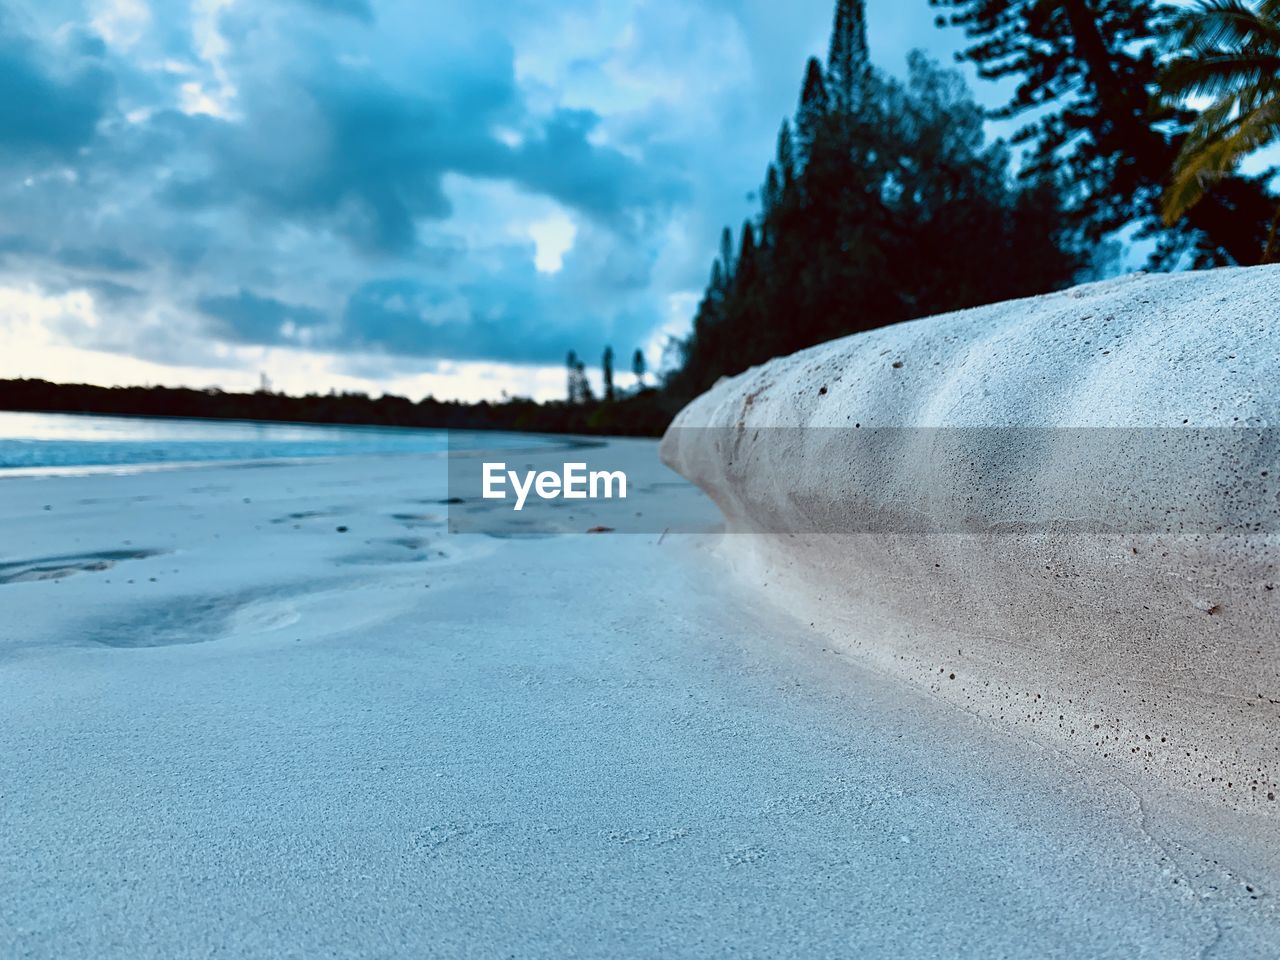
{"x": 384, "y": 195}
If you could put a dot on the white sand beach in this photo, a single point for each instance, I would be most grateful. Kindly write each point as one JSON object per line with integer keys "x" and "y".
{"x": 278, "y": 711}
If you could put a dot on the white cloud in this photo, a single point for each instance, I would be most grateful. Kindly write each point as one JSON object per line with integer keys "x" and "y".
{"x": 553, "y": 238}
{"x": 122, "y": 23}
{"x": 194, "y": 97}
{"x": 214, "y": 94}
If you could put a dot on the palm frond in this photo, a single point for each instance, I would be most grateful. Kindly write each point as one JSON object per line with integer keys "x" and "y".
{"x": 1213, "y": 153}
{"x": 1218, "y": 75}
{"x": 1216, "y": 122}
{"x": 1215, "y": 24}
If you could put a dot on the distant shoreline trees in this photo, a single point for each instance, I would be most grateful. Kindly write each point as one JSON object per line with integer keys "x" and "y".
{"x": 638, "y": 368}
{"x": 579, "y": 386}
{"x": 644, "y": 413}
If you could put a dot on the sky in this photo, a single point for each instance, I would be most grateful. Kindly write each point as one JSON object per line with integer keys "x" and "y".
{"x": 381, "y": 195}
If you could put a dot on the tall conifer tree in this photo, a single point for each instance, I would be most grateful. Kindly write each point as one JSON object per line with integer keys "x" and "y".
{"x": 848, "y": 62}
{"x": 813, "y": 109}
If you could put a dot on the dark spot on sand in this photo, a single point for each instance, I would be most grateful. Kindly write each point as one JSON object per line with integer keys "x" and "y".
{"x": 409, "y": 543}
{"x": 302, "y": 515}
{"x": 55, "y": 568}
{"x": 897, "y": 364}
{"x": 342, "y": 529}
{"x": 416, "y": 519}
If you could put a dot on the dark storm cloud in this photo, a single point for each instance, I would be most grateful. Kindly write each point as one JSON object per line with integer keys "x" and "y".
{"x": 403, "y": 317}
{"x": 561, "y": 162}
{"x": 49, "y": 108}
{"x": 407, "y": 318}
{"x": 370, "y": 159}
{"x": 248, "y": 318}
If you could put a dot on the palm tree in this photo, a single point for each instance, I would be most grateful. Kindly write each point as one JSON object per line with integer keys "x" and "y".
{"x": 1231, "y": 57}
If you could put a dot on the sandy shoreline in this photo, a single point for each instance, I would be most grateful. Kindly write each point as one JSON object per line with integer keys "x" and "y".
{"x": 227, "y": 726}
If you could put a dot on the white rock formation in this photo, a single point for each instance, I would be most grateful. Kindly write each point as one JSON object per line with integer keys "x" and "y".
{"x": 1061, "y": 511}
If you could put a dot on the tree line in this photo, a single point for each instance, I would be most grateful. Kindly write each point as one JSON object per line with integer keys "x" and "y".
{"x": 884, "y": 202}
{"x": 579, "y": 389}
{"x": 644, "y": 412}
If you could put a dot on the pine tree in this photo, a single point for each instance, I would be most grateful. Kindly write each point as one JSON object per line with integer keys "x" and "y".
{"x": 583, "y": 389}
{"x": 717, "y": 285}
{"x": 848, "y": 63}
{"x": 786, "y": 154}
{"x": 770, "y": 204}
{"x": 726, "y": 257}
{"x": 746, "y": 274}
{"x": 571, "y": 364}
{"x": 606, "y": 368}
{"x": 1087, "y": 69}
{"x": 813, "y": 109}
{"x": 638, "y": 367}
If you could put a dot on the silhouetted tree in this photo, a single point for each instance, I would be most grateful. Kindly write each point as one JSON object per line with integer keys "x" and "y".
{"x": 786, "y": 155}
{"x": 606, "y": 368}
{"x": 1087, "y": 70}
{"x": 848, "y": 62}
{"x": 726, "y": 264}
{"x": 887, "y": 204}
{"x": 644, "y": 413}
{"x": 571, "y": 365}
{"x": 638, "y": 366}
{"x": 584, "y": 392}
{"x": 813, "y": 108}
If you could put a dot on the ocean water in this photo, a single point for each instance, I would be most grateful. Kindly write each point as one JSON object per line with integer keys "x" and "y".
{"x": 60, "y": 442}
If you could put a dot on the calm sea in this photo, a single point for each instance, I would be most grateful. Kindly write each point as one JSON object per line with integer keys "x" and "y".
{"x": 58, "y": 442}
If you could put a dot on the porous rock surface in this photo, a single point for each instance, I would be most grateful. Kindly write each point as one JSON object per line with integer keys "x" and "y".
{"x": 1035, "y": 597}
